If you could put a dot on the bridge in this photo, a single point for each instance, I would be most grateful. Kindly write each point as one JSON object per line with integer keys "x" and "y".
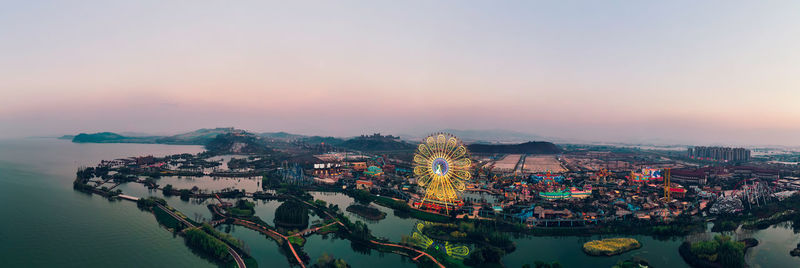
{"x": 311, "y": 230}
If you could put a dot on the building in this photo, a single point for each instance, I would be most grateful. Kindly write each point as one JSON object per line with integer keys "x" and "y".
{"x": 686, "y": 176}
{"x": 789, "y": 183}
{"x": 363, "y": 184}
{"x": 325, "y": 180}
{"x": 756, "y": 172}
{"x": 359, "y": 166}
{"x": 145, "y": 160}
{"x": 724, "y": 154}
{"x": 543, "y": 213}
{"x": 373, "y": 171}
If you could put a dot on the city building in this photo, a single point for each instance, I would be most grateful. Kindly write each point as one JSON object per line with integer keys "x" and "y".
{"x": 725, "y": 154}
{"x": 688, "y": 176}
{"x": 363, "y": 184}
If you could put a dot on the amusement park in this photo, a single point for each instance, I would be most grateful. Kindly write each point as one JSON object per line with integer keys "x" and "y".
{"x": 444, "y": 202}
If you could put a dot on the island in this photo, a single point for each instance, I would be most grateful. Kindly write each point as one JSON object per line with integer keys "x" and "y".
{"x": 610, "y": 246}
{"x": 719, "y": 252}
{"x": 367, "y": 212}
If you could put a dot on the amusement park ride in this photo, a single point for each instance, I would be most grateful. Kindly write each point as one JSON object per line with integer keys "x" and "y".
{"x": 441, "y": 165}
{"x": 602, "y": 175}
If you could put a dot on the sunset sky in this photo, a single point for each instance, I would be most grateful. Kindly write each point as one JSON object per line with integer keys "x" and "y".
{"x": 691, "y": 72}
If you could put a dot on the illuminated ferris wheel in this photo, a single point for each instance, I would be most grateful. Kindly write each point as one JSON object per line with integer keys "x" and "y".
{"x": 441, "y": 165}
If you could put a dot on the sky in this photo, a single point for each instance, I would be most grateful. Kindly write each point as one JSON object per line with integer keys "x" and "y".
{"x": 688, "y": 72}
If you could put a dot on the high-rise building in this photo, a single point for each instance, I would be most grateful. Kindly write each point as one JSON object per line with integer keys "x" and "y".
{"x": 726, "y": 154}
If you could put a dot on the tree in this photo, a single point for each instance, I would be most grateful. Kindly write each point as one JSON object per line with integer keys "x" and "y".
{"x": 167, "y": 190}
{"x": 731, "y": 254}
{"x": 328, "y": 261}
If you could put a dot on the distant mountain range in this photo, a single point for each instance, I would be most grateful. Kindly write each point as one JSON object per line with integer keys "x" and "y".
{"x": 377, "y": 142}
{"x": 481, "y": 141}
{"x": 110, "y": 137}
{"x": 488, "y": 136}
{"x": 221, "y": 139}
{"x": 197, "y": 137}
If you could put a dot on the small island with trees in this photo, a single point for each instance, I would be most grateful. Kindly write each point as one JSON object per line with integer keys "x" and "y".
{"x": 367, "y": 212}
{"x": 610, "y": 246}
{"x": 722, "y": 251}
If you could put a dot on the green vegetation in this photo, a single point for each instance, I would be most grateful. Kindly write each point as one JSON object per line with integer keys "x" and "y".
{"x": 227, "y": 238}
{"x": 238, "y": 143}
{"x": 724, "y": 225}
{"x": 377, "y": 143}
{"x": 328, "y": 229}
{"x": 366, "y": 212}
{"x": 763, "y": 216}
{"x": 490, "y": 244}
{"x": 243, "y": 208}
{"x": 167, "y": 220}
{"x": 150, "y": 202}
{"x": 203, "y": 242}
{"x": 291, "y": 214}
{"x": 167, "y": 190}
{"x": 109, "y": 137}
{"x": 297, "y": 240}
{"x": 719, "y": 251}
{"x": 484, "y": 255}
{"x": 610, "y": 246}
{"x": 197, "y": 137}
{"x": 401, "y": 209}
{"x": 361, "y": 231}
{"x": 328, "y": 261}
{"x": 185, "y": 194}
{"x": 634, "y": 262}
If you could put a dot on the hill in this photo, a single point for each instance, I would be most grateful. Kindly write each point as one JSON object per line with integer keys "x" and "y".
{"x": 281, "y": 136}
{"x": 198, "y": 137}
{"x": 237, "y": 143}
{"x": 531, "y": 147}
{"x": 110, "y": 137}
{"x": 377, "y": 142}
{"x": 332, "y": 141}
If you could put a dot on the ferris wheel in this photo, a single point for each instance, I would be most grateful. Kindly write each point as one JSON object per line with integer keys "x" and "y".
{"x": 441, "y": 165}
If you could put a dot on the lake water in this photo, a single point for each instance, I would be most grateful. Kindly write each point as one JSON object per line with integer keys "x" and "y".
{"x": 47, "y": 224}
